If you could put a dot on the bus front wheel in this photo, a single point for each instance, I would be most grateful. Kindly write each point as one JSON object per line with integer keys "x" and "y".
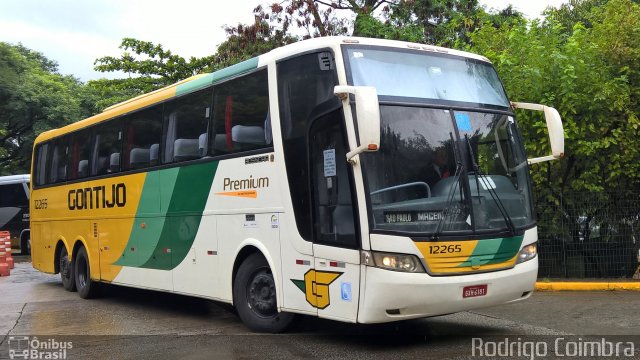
{"x": 66, "y": 270}
{"x": 86, "y": 287}
{"x": 254, "y": 296}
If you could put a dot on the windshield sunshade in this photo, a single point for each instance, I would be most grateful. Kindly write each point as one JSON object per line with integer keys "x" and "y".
{"x": 427, "y": 76}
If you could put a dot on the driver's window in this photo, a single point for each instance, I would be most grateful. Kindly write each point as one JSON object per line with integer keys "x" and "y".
{"x": 333, "y": 206}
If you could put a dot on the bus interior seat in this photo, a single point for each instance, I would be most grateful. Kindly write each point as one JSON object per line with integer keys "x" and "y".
{"x": 83, "y": 168}
{"x": 202, "y": 144}
{"x": 242, "y": 136}
{"x": 103, "y": 165}
{"x": 185, "y": 149}
{"x": 220, "y": 143}
{"x": 114, "y": 162}
{"x": 154, "y": 154}
{"x": 139, "y": 157}
{"x": 62, "y": 173}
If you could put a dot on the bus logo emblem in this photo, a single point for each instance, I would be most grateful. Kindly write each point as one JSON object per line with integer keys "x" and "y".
{"x": 316, "y": 287}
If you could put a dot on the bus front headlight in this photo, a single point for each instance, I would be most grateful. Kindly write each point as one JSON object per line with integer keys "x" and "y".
{"x": 527, "y": 253}
{"x": 397, "y": 262}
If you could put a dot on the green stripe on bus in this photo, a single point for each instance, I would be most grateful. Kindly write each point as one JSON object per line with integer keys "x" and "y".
{"x": 188, "y": 199}
{"x": 493, "y": 251}
{"x": 509, "y": 247}
{"x": 151, "y": 213}
{"x": 209, "y": 79}
{"x": 168, "y": 179}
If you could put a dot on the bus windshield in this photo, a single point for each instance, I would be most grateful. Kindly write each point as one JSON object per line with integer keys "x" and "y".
{"x": 452, "y": 170}
{"x": 427, "y": 76}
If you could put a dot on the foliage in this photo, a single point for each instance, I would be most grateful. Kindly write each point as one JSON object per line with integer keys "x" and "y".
{"x": 591, "y": 77}
{"x": 34, "y": 98}
{"x": 573, "y": 12}
{"x": 591, "y": 74}
{"x": 315, "y": 18}
{"x": 440, "y": 22}
{"x": 443, "y": 22}
{"x": 247, "y": 41}
{"x": 148, "y": 66}
{"x": 157, "y": 65}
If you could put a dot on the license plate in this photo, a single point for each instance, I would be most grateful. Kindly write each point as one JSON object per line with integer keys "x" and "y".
{"x": 473, "y": 291}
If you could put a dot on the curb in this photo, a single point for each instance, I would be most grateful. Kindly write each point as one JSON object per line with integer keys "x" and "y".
{"x": 587, "y": 286}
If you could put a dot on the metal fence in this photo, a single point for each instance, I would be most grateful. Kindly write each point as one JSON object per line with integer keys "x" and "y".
{"x": 589, "y": 235}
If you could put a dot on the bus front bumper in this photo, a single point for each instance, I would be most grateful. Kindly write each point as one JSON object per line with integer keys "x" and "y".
{"x": 392, "y": 296}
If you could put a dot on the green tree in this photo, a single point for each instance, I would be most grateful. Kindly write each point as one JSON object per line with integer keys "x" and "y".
{"x": 444, "y": 22}
{"x": 247, "y": 41}
{"x": 148, "y": 67}
{"x": 591, "y": 74}
{"x": 156, "y": 67}
{"x": 315, "y": 18}
{"x": 440, "y": 22}
{"x": 34, "y": 98}
{"x": 573, "y": 12}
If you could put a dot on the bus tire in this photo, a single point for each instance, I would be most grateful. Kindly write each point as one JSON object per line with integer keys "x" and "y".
{"x": 25, "y": 244}
{"x": 254, "y": 297}
{"x": 87, "y": 288}
{"x": 67, "y": 270}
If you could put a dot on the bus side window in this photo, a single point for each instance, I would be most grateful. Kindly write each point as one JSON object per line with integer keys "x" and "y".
{"x": 80, "y": 154}
{"x": 40, "y": 165}
{"x": 143, "y": 129}
{"x": 186, "y": 123}
{"x": 241, "y": 118}
{"x": 107, "y": 147}
{"x": 59, "y": 160}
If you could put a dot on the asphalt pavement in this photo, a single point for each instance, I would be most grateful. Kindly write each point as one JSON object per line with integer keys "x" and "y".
{"x": 126, "y": 323}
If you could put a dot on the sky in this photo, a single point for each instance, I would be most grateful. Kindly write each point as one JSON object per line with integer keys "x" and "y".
{"x": 76, "y": 32}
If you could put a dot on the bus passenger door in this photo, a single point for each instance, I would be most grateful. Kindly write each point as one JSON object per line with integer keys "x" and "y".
{"x": 336, "y": 241}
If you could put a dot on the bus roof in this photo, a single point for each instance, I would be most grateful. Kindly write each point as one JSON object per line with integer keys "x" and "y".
{"x": 201, "y": 81}
{"x": 335, "y": 41}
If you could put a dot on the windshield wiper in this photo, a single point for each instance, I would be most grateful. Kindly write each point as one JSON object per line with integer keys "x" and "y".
{"x": 450, "y": 195}
{"x": 481, "y": 177}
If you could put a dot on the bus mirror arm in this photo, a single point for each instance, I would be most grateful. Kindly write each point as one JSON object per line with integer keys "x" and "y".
{"x": 554, "y": 127}
{"x": 367, "y": 117}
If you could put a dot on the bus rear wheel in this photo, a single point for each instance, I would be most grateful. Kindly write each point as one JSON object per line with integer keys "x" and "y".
{"x": 66, "y": 270}
{"x": 25, "y": 244}
{"x": 254, "y": 296}
{"x": 87, "y": 288}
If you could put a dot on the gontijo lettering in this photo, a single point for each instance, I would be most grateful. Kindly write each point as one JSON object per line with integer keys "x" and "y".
{"x": 245, "y": 184}
{"x": 97, "y": 197}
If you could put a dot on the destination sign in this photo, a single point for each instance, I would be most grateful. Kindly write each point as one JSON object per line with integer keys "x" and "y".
{"x": 411, "y": 216}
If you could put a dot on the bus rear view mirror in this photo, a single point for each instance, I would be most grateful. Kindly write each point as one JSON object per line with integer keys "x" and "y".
{"x": 554, "y": 127}
{"x": 367, "y": 114}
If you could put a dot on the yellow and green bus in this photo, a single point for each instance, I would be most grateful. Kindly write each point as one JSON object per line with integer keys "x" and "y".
{"x": 353, "y": 179}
